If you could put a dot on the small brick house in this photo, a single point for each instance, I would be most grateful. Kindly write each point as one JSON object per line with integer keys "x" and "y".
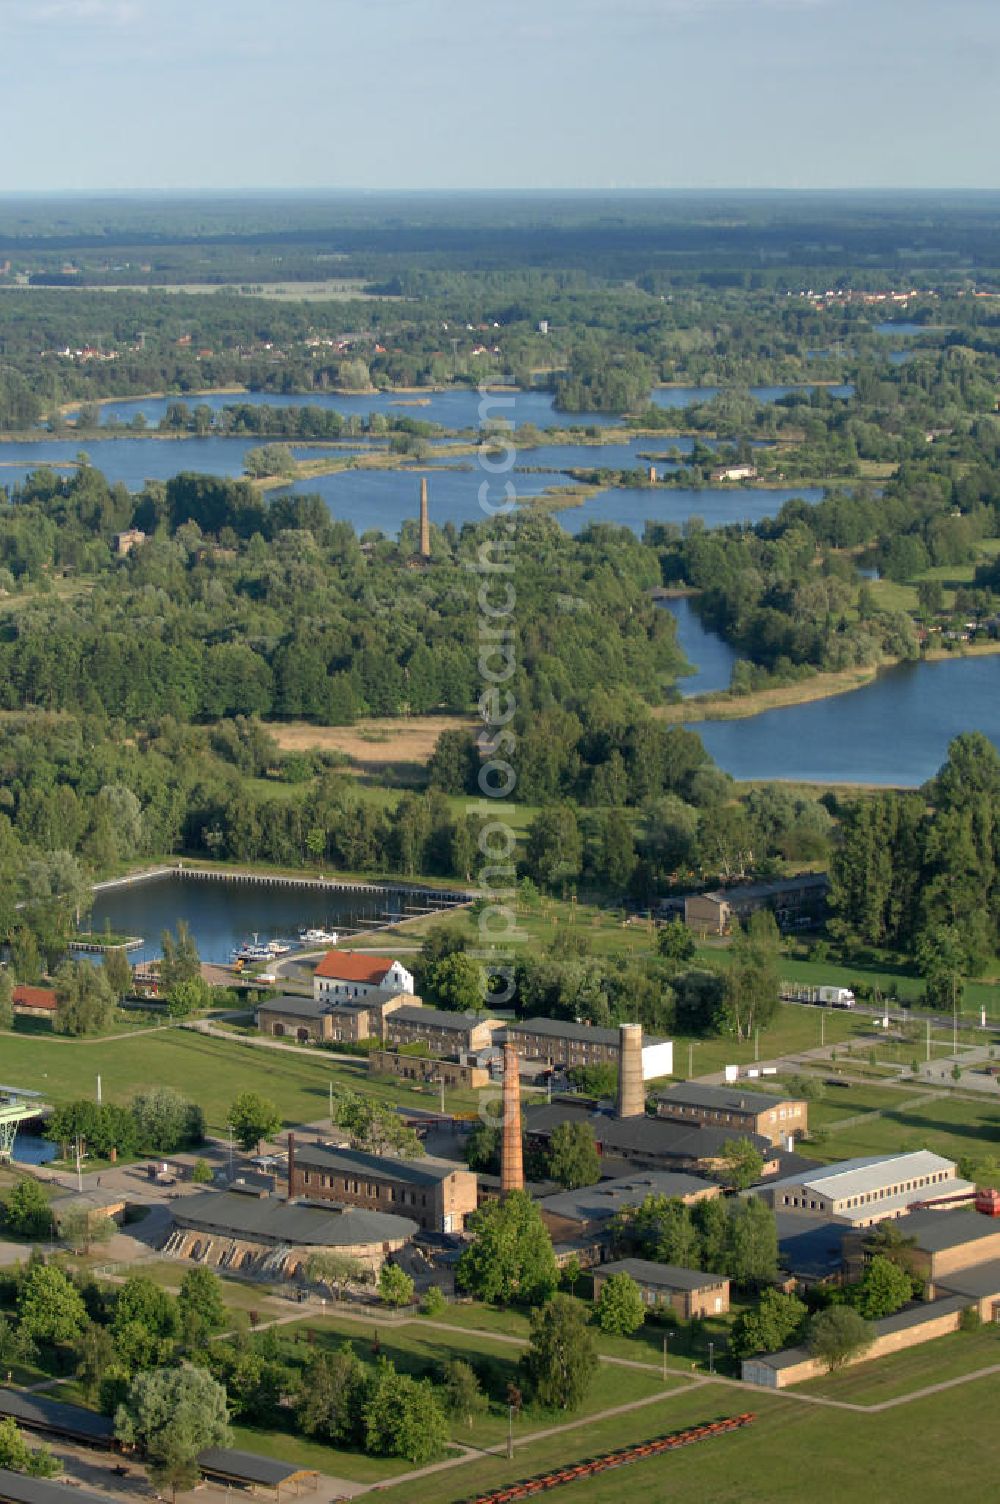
{"x": 688, "y": 1292}
{"x": 34, "y": 1002}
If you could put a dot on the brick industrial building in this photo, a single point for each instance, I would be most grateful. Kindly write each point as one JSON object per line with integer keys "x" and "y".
{"x": 559, "y": 1042}
{"x": 436, "y": 1195}
{"x": 795, "y": 902}
{"x": 744, "y": 1112}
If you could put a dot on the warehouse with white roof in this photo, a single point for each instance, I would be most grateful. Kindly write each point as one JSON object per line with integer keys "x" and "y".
{"x": 859, "y": 1192}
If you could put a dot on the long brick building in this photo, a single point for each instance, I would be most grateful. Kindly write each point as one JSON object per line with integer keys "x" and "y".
{"x": 436, "y": 1195}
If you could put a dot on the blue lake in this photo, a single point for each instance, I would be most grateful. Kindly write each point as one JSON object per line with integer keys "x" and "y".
{"x": 635, "y": 507}
{"x": 894, "y": 731}
{"x": 457, "y": 407}
{"x": 222, "y": 915}
{"x": 900, "y": 326}
{"x": 134, "y": 461}
{"x": 684, "y": 396}
{"x": 709, "y": 654}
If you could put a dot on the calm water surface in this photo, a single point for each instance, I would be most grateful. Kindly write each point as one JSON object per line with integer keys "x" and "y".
{"x": 223, "y": 915}
{"x": 895, "y": 730}
{"x": 134, "y": 461}
{"x": 634, "y": 508}
{"x": 708, "y": 653}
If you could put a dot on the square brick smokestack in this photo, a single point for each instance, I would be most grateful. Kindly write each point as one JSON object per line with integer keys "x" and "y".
{"x": 511, "y": 1166}
{"x": 631, "y": 1093}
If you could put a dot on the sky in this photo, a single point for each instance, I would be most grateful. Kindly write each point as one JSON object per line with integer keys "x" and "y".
{"x": 171, "y": 95}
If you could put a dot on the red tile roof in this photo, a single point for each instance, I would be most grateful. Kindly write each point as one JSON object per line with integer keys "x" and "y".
{"x": 34, "y": 997}
{"x": 345, "y": 966}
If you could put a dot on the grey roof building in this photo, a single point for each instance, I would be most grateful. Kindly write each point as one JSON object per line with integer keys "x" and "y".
{"x": 266, "y": 1219}
{"x": 598, "y": 1203}
{"x": 656, "y": 1143}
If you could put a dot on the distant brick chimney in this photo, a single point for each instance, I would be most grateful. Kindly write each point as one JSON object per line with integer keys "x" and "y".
{"x": 631, "y": 1093}
{"x": 291, "y": 1167}
{"x": 425, "y": 522}
{"x": 511, "y": 1164}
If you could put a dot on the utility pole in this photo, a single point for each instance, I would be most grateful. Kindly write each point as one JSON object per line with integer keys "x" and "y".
{"x": 330, "y": 1084}
{"x": 711, "y": 1357}
{"x": 79, "y": 1169}
{"x": 756, "y": 1044}
{"x": 510, "y": 1431}
{"x": 98, "y": 1089}
{"x": 664, "y": 1360}
{"x": 822, "y": 1030}
{"x": 690, "y": 1061}
{"x": 441, "y": 1084}
{"x": 954, "y": 1014}
{"x": 230, "y": 1127}
{"x": 928, "y": 1045}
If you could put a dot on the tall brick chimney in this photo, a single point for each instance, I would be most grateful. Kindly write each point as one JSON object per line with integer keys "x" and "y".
{"x": 511, "y": 1165}
{"x": 291, "y": 1167}
{"x": 425, "y": 524}
{"x": 631, "y": 1095}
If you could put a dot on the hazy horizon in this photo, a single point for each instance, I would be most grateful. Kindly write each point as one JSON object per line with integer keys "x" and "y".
{"x": 111, "y": 97}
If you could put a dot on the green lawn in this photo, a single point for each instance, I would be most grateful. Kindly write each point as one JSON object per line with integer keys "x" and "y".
{"x": 906, "y": 1372}
{"x": 210, "y": 1071}
{"x": 921, "y": 1453}
{"x": 948, "y": 1125}
{"x": 418, "y": 1348}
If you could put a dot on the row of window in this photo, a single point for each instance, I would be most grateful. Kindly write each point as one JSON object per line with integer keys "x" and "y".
{"x": 366, "y": 1188}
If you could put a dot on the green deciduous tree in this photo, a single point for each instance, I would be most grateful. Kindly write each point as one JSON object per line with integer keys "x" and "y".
{"x": 510, "y": 1256}
{"x": 773, "y": 1324}
{"x": 395, "y": 1287}
{"x": 85, "y": 1001}
{"x": 200, "y": 1306}
{"x": 50, "y": 1308}
{"x": 403, "y": 1417}
{"x": 743, "y": 1163}
{"x": 165, "y": 1121}
{"x": 884, "y": 1288}
{"x": 181, "y": 961}
{"x": 26, "y": 1210}
{"x": 330, "y": 1398}
{"x": 753, "y": 1242}
{"x": 173, "y": 1414}
{"x": 376, "y": 1127}
{"x": 619, "y": 1306}
{"x": 17, "y": 1457}
{"x": 118, "y": 972}
{"x": 460, "y": 1389}
{"x": 573, "y": 1157}
{"x": 457, "y": 982}
{"x": 839, "y": 1334}
{"x": 253, "y": 1118}
{"x": 561, "y": 1360}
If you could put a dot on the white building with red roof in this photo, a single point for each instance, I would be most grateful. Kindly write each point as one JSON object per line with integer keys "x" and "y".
{"x": 343, "y": 976}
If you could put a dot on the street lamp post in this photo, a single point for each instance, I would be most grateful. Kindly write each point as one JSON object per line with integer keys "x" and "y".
{"x": 510, "y": 1431}
{"x": 711, "y": 1357}
{"x": 664, "y": 1357}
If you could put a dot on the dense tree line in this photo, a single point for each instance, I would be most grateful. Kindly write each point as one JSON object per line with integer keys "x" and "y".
{"x": 920, "y": 872}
